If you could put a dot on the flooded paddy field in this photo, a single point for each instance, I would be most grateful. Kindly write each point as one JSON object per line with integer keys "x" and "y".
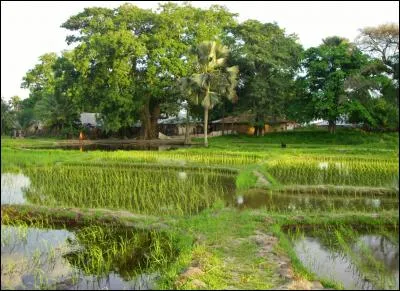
{"x": 217, "y": 212}
{"x": 144, "y": 190}
{"x": 292, "y": 202}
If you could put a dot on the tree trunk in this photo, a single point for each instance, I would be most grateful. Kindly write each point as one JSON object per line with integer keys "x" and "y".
{"x": 332, "y": 126}
{"x": 205, "y": 126}
{"x": 187, "y": 136}
{"x": 223, "y": 116}
{"x": 149, "y": 118}
{"x": 155, "y": 114}
{"x": 145, "y": 119}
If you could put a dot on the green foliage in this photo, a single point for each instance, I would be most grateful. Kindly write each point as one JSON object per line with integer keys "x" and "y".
{"x": 8, "y": 118}
{"x": 327, "y": 68}
{"x": 246, "y": 179}
{"x": 131, "y": 64}
{"x": 53, "y": 87}
{"x": 268, "y": 59}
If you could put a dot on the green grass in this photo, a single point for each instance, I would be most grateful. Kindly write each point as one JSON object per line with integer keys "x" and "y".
{"x": 314, "y": 138}
{"x": 246, "y": 179}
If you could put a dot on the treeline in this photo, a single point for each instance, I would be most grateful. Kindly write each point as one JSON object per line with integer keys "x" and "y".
{"x": 131, "y": 64}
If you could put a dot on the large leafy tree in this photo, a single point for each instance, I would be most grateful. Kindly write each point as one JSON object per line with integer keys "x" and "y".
{"x": 214, "y": 80}
{"x": 106, "y": 58}
{"x": 368, "y": 92}
{"x": 59, "y": 109}
{"x": 268, "y": 60}
{"x": 327, "y": 68}
{"x": 130, "y": 58}
{"x": 52, "y": 85}
{"x": 40, "y": 82}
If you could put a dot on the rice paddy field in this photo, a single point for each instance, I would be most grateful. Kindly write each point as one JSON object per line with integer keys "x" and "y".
{"x": 243, "y": 213}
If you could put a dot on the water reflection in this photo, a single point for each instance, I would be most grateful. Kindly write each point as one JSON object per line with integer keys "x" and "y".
{"x": 257, "y": 198}
{"x": 340, "y": 267}
{"x": 12, "y": 188}
{"x": 375, "y": 203}
{"x": 381, "y": 249}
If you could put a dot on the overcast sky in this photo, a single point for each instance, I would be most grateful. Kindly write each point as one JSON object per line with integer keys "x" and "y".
{"x": 30, "y": 29}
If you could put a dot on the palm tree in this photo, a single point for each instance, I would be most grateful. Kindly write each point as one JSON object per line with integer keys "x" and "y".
{"x": 214, "y": 80}
{"x": 191, "y": 93}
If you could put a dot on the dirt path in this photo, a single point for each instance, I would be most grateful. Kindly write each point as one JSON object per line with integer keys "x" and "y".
{"x": 249, "y": 263}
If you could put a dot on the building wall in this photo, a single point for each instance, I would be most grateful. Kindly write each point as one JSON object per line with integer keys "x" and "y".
{"x": 275, "y": 127}
{"x": 243, "y": 128}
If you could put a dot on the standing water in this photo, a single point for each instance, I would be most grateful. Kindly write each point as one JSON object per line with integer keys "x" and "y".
{"x": 12, "y": 188}
{"x": 371, "y": 262}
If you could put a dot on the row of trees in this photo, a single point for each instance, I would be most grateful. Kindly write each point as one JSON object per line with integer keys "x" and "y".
{"x": 132, "y": 64}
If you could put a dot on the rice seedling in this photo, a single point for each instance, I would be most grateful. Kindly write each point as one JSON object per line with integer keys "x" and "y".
{"x": 21, "y": 158}
{"x": 149, "y": 191}
{"x": 308, "y": 171}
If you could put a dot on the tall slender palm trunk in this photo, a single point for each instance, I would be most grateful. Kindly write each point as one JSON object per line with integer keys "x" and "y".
{"x": 205, "y": 125}
{"x": 187, "y": 136}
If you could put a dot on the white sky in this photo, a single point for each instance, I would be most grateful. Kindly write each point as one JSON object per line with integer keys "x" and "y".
{"x": 30, "y": 29}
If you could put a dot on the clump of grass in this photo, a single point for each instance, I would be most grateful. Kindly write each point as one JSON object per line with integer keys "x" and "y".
{"x": 128, "y": 253}
{"x": 246, "y": 179}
